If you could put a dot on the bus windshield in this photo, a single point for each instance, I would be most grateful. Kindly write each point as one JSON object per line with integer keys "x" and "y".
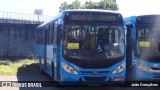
{"x": 87, "y": 42}
{"x": 148, "y": 42}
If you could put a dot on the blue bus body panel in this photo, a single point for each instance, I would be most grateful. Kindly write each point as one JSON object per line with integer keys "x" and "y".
{"x": 139, "y": 74}
{"x": 53, "y": 55}
{"x": 129, "y": 20}
{"x": 71, "y": 79}
{"x": 68, "y": 78}
{"x": 136, "y": 72}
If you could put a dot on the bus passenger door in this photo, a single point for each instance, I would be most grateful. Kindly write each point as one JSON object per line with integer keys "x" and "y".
{"x": 56, "y": 52}
{"x": 45, "y": 50}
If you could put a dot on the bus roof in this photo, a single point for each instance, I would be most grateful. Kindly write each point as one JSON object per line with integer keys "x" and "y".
{"x": 130, "y": 20}
{"x": 76, "y": 10}
{"x": 88, "y": 10}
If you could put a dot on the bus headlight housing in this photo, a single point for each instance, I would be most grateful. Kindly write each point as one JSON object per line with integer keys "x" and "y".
{"x": 69, "y": 69}
{"x": 119, "y": 69}
{"x": 141, "y": 66}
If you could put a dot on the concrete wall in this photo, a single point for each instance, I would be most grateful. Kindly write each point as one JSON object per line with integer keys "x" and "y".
{"x": 17, "y": 40}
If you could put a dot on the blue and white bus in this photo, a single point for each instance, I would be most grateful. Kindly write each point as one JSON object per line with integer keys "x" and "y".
{"x": 143, "y": 47}
{"x": 82, "y": 46}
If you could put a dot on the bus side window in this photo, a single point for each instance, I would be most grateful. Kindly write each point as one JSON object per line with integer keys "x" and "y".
{"x": 55, "y": 33}
{"x": 37, "y": 36}
{"x": 43, "y": 36}
{"x": 52, "y": 34}
{"x": 48, "y": 34}
{"x": 40, "y": 37}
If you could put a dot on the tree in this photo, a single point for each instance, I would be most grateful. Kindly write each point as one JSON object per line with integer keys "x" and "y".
{"x": 108, "y": 5}
{"x": 103, "y": 4}
{"x": 91, "y": 5}
{"x": 63, "y": 6}
{"x": 74, "y": 5}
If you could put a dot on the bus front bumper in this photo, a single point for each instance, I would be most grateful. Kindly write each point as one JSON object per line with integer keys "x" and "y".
{"x": 142, "y": 75}
{"x": 82, "y": 79}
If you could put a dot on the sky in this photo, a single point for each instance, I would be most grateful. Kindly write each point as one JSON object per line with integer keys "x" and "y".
{"x": 51, "y": 7}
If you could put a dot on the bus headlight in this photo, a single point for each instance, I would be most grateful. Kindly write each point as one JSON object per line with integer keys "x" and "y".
{"x": 69, "y": 69}
{"x": 141, "y": 66}
{"x": 119, "y": 69}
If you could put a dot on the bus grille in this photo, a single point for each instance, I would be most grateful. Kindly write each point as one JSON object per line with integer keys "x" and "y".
{"x": 156, "y": 75}
{"x": 95, "y": 79}
{"x": 91, "y": 72}
{"x": 156, "y": 69}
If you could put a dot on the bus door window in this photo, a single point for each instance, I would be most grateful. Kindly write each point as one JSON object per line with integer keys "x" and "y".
{"x": 55, "y": 33}
{"x": 52, "y": 33}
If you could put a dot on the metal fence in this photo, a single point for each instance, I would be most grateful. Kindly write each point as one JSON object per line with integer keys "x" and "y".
{"x": 13, "y": 17}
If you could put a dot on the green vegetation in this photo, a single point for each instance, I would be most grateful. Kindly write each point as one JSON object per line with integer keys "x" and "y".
{"x": 102, "y": 4}
{"x": 19, "y": 66}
